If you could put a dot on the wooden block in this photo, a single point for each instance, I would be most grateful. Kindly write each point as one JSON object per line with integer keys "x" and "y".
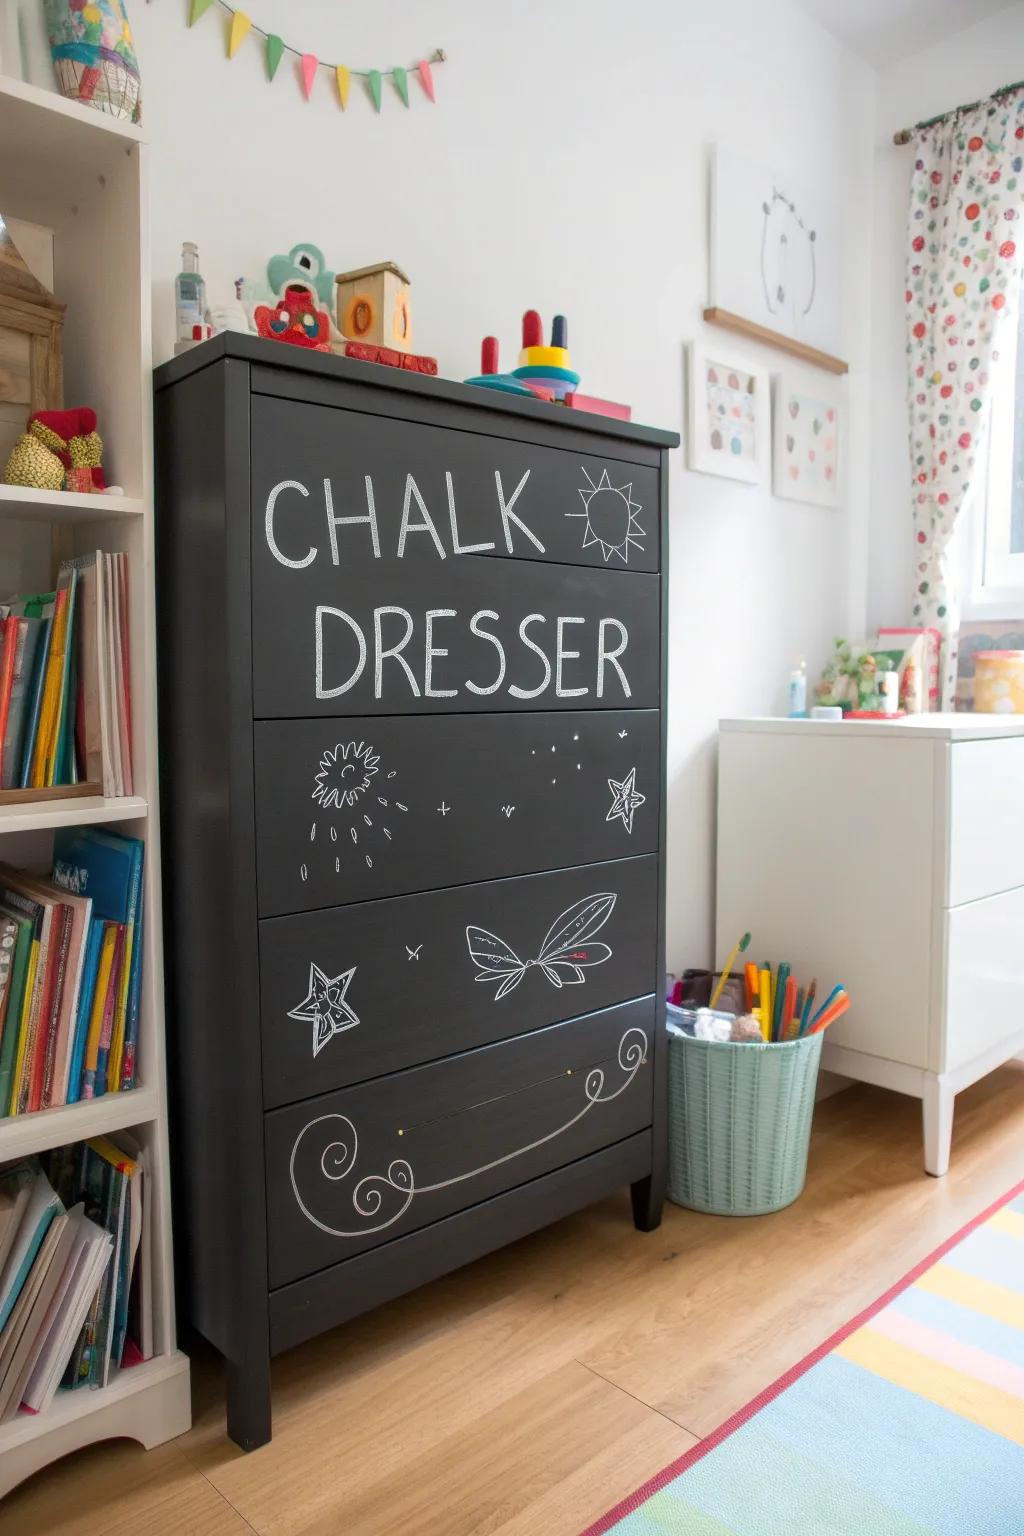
{"x": 599, "y": 407}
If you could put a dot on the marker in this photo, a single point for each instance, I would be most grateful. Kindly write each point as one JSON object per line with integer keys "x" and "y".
{"x": 778, "y": 997}
{"x": 827, "y": 1003}
{"x": 738, "y": 948}
{"x": 808, "y": 1001}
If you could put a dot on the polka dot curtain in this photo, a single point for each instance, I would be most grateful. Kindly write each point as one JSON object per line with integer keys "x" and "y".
{"x": 966, "y": 243}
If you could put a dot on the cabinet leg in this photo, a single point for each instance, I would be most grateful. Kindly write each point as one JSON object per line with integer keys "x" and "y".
{"x": 248, "y": 1402}
{"x": 937, "y": 1117}
{"x": 648, "y": 1196}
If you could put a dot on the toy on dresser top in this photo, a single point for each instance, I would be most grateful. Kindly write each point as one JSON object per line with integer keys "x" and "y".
{"x": 545, "y": 372}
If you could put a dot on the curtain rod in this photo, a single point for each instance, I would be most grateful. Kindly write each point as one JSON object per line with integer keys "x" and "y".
{"x": 906, "y": 135}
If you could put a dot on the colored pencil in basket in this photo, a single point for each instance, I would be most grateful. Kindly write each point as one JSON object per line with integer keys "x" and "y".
{"x": 778, "y": 999}
{"x": 805, "y": 1017}
{"x": 737, "y": 949}
{"x": 788, "y": 1007}
{"x": 826, "y": 1004}
{"x": 823, "y": 1021}
{"x": 751, "y": 979}
{"x": 765, "y": 1000}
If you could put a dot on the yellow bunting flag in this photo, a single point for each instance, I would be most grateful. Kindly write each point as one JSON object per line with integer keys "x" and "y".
{"x": 240, "y": 25}
{"x": 344, "y": 81}
{"x": 373, "y": 81}
{"x": 198, "y": 8}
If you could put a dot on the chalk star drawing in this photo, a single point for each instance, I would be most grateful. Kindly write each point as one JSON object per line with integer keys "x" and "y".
{"x": 627, "y": 799}
{"x": 611, "y": 517}
{"x": 563, "y": 956}
{"x": 413, "y": 954}
{"x": 346, "y": 772}
{"x": 324, "y": 1006}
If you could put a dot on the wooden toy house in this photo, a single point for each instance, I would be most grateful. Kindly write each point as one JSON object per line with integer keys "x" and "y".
{"x": 374, "y": 306}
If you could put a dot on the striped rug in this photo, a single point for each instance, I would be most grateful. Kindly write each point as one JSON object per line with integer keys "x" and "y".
{"x": 908, "y": 1422}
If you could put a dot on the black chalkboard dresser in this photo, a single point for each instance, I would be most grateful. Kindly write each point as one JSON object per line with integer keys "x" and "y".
{"x": 412, "y": 690}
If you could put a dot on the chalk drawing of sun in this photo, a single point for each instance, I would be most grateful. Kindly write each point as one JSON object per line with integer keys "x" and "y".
{"x": 346, "y": 772}
{"x": 346, "y": 776}
{"x": 611, "y": 517}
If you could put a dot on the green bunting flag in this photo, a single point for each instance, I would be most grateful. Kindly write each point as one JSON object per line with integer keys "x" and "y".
{"x": 275, "y": 53}
{"x": 199, "y": 8}
{"x": 373, "y": 81}
{"x": 401, "y": 84}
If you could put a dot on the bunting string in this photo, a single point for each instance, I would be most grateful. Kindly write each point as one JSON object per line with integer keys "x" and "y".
{"x": 241, "y": 26}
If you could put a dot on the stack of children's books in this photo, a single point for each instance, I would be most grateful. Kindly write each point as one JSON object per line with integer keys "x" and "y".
{"x": 75, "y": 1271}
{"x": 65, "y": 711}
{"x": 71, "y": 972}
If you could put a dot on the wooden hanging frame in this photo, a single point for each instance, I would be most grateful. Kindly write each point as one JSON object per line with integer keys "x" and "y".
{"x": 750, "y": 328}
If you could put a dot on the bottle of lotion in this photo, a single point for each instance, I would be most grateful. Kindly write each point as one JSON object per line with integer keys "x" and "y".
{"x": 798, "y": 691}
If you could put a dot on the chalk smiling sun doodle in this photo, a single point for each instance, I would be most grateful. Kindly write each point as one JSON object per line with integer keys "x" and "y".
{"x": 610, "y": 515}
{"x": 348, "y": 781}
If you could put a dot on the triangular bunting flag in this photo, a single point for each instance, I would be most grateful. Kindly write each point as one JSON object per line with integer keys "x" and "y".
{"x": 275, "y": 53}
{"x": 240, "y": 25}
{"x": 401, "y": 84}
{"x": 199, "y": 8}
{"x": 427, "y": 78}
{"x": 309, "y": 64}
{"x": 373, "y": 81}
{"x": 344, "y": 81}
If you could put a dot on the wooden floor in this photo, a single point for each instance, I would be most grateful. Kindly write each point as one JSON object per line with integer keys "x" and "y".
{"x": 526, "y": 1394}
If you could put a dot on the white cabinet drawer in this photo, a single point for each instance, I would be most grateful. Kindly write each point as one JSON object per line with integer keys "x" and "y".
{"x": 986, "y": 839}
{"x": 984, "y": 976}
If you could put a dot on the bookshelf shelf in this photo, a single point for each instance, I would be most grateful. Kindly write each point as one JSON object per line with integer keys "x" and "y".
{"x": 84, "y": 176}
{"x": 146, "y": 1402}
{"x": 86, "y": 810}
{"x": 27, "y": 505}
{"x": 23, "y": 1135}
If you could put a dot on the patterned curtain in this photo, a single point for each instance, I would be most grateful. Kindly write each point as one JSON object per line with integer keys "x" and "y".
{"x": 966, "y": 244}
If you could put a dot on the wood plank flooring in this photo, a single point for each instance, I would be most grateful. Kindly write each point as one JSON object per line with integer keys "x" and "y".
{"x": 524, "y": 1395}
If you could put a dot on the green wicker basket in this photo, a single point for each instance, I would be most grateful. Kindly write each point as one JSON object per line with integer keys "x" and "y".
{"x": 740, "y": 1123}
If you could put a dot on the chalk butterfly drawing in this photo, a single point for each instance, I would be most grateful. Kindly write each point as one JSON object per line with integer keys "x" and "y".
{"x": 564, "y": 955}
{"x": 611, "y": 517}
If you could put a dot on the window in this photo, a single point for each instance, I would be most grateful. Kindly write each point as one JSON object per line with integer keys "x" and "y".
{"x": 998, "y": 516}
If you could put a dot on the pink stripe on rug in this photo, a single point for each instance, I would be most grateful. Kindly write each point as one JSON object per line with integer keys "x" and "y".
{"x": 946, "y": 1350}
{"x": 633, "y": 1501}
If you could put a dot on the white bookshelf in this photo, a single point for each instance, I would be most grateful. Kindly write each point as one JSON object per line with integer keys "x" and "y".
{"x": 84, "y": 175}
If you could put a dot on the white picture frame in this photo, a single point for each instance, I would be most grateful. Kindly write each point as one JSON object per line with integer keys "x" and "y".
{"x": 774, "y": 255}
{"x": 728, "y": 414}
{"x": 808, "y": 421}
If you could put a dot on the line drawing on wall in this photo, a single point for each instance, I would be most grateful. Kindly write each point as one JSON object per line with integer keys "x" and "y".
{"x": 610, "y": 515}
{"x": 626, "y": 799}
{"x": 563, "y": 956}
{"x": 341, "y": 1151}
{"x": 325, "y": 1007}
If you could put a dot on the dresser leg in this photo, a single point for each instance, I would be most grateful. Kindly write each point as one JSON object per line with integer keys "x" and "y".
{"x": 248, "y": 1402}
{"x": 937, "y": 1117}
{"x": 648, "y": 1197}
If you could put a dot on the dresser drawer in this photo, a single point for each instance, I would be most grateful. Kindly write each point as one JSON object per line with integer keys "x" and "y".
{"x": 349, "y": 1170}
{"x": 354, "y": 992}
{"x": 984, "y": 976}
{"x": 398, "y": 567}
{"x": 349, "y": 810}
{"x": 986, "y": 841}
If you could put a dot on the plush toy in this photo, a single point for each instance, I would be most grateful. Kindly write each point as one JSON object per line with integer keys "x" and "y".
{"x": 59, "y": 450}
{"x": 305, "y": 267}
{"x": 295, "y": 319}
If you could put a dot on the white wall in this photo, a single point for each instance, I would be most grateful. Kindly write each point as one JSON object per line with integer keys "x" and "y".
{"x": 962, "y": 68}
{"x": 563, "y": 167}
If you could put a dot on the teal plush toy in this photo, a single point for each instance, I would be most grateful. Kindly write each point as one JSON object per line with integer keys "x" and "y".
{"x": 303, "y": 264}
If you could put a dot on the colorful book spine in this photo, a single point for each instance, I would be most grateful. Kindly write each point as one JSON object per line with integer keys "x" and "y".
{"x": 99, "y": 1009}
{"x": 85, "y": 1002}
{"x": 35, "y": 702}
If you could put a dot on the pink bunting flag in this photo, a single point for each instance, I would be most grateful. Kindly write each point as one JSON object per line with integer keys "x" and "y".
{"x": 309, "y": 64}
{"x": 427, "y": 78}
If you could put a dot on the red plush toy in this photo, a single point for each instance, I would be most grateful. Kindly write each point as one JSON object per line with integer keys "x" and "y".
{"x": 73, "y": 437}
{"x": 295, "y": 319}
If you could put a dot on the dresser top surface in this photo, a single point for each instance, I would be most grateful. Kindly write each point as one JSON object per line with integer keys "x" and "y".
{"x": 274, "y": 354}
{"x": 934, "y": 727}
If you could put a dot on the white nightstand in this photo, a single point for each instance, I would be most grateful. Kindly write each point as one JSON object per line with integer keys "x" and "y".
{"x": 888, "y": 856}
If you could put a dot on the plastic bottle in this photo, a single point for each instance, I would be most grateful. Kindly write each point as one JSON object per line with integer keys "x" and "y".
{"x": 798, "y": 691}
{"x": 189, "y": 293}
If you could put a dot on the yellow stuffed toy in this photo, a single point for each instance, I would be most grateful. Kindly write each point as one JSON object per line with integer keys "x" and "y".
{"x": 59, "y": 450}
